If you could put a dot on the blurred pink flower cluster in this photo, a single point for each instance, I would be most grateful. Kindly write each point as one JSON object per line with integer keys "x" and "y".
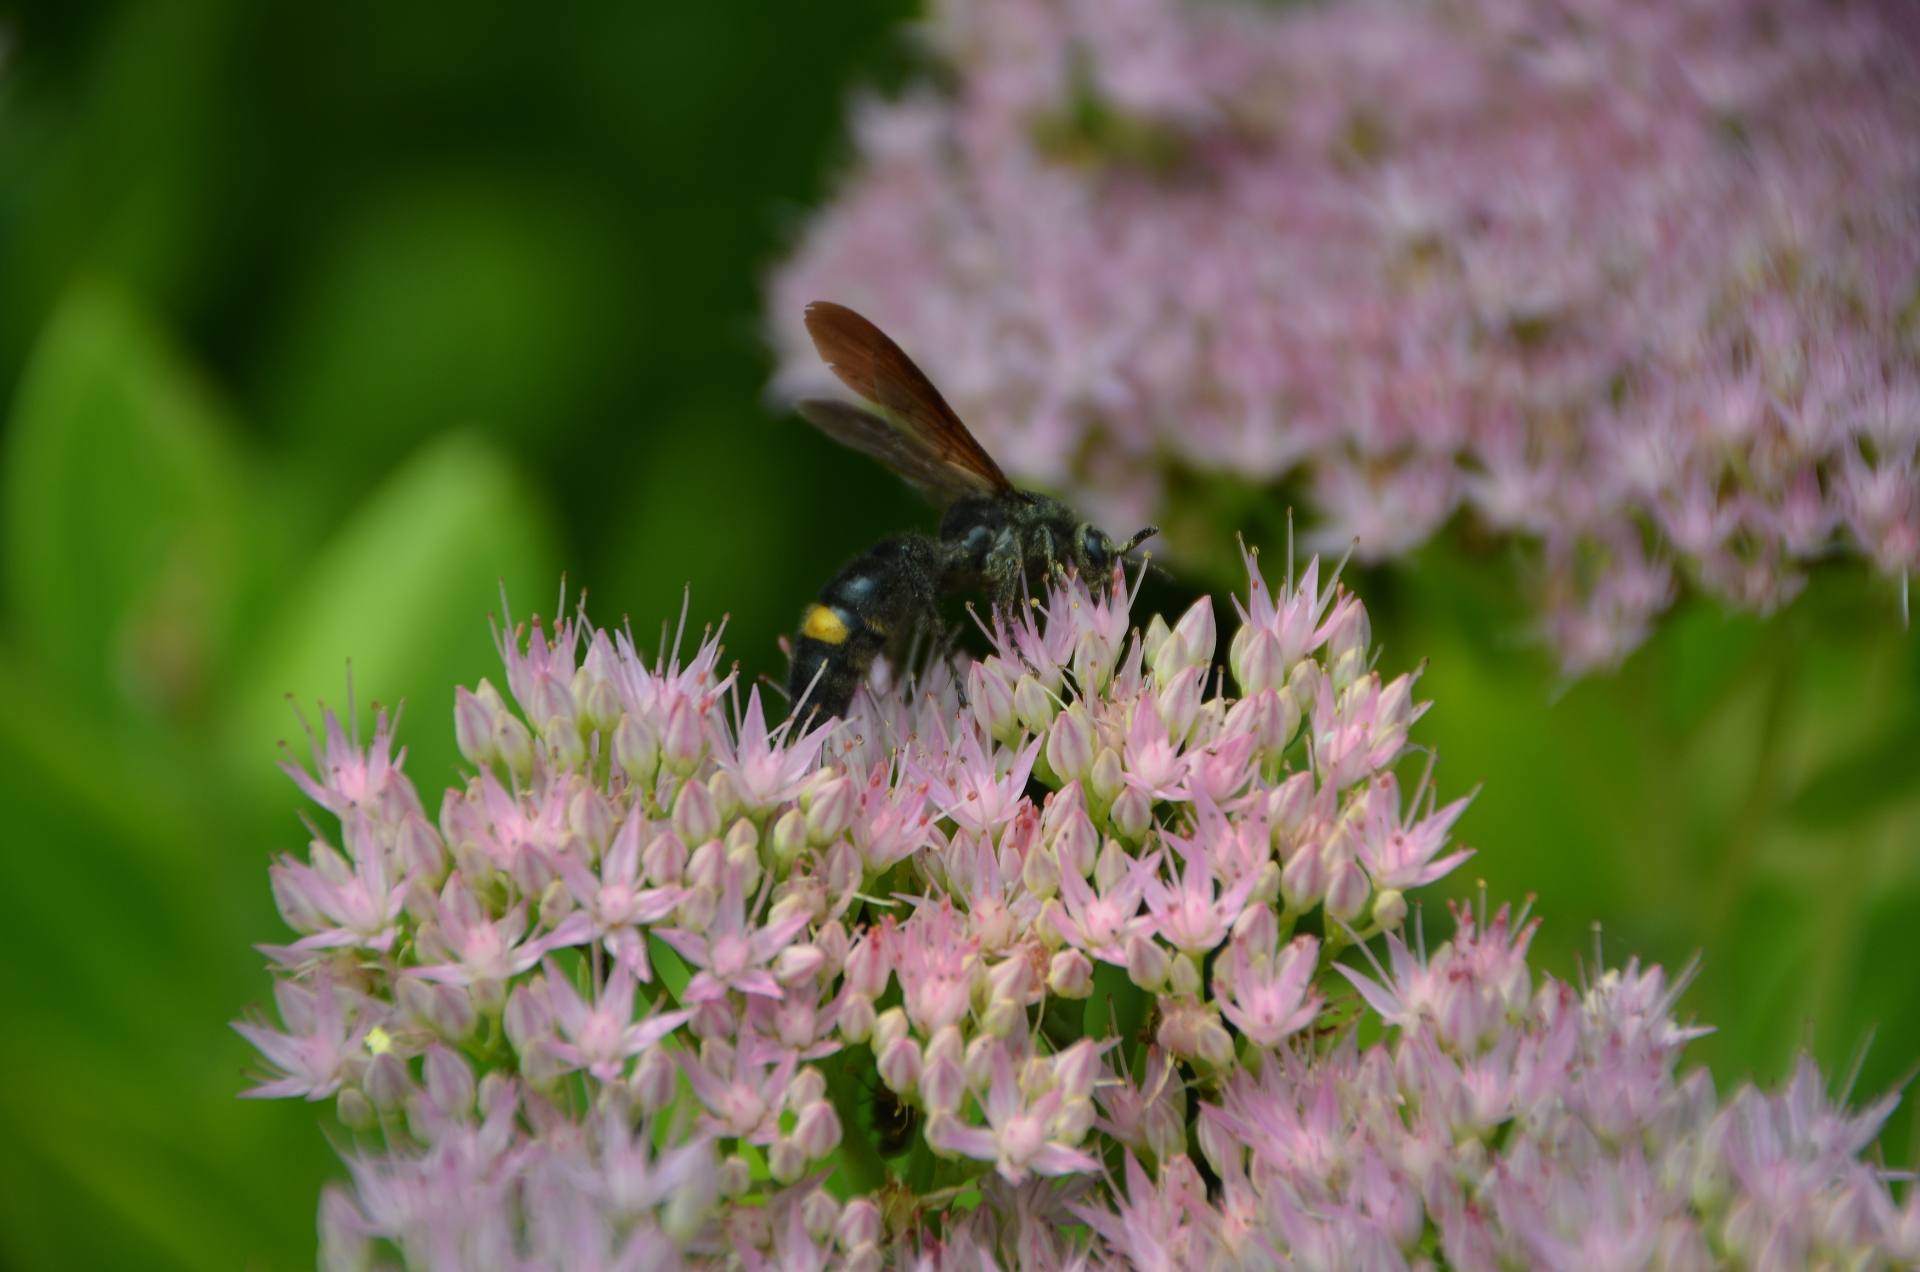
{"x": 1075, "y": 969}
{"x": 1634, "y": 282}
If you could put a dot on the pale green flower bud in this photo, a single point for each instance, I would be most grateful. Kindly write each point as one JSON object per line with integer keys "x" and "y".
{"x": 1033, "y": 705}
{"x": 1106, "y": 779}
{"x": 1147, "y": 963}
{"x": 789, "y": 837}
{"x": 1070, "y": 975}
{"x": 515, "y": 745}
{"x": 636, "y": 750}
{"x": 1132, "y": 814}
{"x": 1183, "y": 976}
{"x": 1070, "y": 743}
{"x": 1389, "y": 909}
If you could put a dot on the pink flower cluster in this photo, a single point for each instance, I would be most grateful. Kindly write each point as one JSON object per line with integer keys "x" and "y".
{"x": 1072, "y": 969}
{"x": 1634, "y": 282}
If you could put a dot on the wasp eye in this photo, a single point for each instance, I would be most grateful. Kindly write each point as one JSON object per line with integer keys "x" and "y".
{"x": 1096, "y": 549}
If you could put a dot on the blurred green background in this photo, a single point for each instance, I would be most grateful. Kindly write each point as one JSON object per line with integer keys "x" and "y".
{"x": 319, "y": 324}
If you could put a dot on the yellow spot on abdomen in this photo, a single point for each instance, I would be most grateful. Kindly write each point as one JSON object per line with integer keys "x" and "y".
{"x": 824, "y": 625}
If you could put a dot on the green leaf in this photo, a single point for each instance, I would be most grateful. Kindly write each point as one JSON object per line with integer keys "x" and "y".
{"x": 1862, "y": 782}
{"x": 142, "y": 884}
{"x": 128, "y": 528}
{"x": 445, "y": 302}
{"x": 401, "y": 595}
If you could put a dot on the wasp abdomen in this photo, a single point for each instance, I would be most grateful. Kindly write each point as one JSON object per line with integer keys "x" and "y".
{"x": 881, "y": 595}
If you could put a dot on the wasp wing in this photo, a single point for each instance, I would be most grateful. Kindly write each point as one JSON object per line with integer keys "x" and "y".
{"x": 899, "y": 450}
{"x": 917, "y": 434}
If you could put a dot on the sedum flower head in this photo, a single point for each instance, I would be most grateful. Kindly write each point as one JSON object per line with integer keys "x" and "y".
{"x": 1113, "y": 977}
{"x": 1632, "y": 283}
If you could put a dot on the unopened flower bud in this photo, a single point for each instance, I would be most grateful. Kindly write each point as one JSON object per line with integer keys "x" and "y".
{"x": 1347, "y": 890}
{"x": 990, "y": 698}
{"x": 807, "y": 1086}
{"x": 696, "y": 908}
{"x": 1093, "y": 659}
{"x": 856, "y": 1018}
{"x": 1389, "y": 909}
{"x": 786, "y": 1160}
{"x": 1033, "y": 705}
{"x": 899, "y": 1065}
{"x": 664, "y": 859}
{"x": 817, "y": 1131}
{"x": 599, "y": 706}
{"x": 590, "y": 816}
{"x": 1183, "y": 976}
{"x": 1179, "y": 705}
{"x": 1303, "y": 683}
{"x": 844, "y": 868}
{"x": 1003, "y": 1017}
{"x": 636, "y": 749}
{"x": 556, "y": 901}
{"x": 445, "y": 1009}
{"x": 1303, "y": 880}
{"x": 889, "y": 1028}
{"x": 789, "y": 837}
{"x": 727, "y": 803}
{"x": 1147, "y": 962}
{"x": 1074, "y": 1120}
{"x": 705, "y": 865}
{"x": 654, "y": 1079}
{"x": 1195, "y": 633}
{"x": 1266, "y": 888}
{"x": 978, "y": 1061}
{"x": 566, "y": 750}
{"x": 1258, "y": 661}
{"x": 1349, "y": 634}
{"x": 831, "y": 811}
{"x": 541, "y": 1065}
{"x": 1076, "y": 845}
{"x": 354, "y": 1109}
{"x": 1070, "y": 975}
{"x": 473, "y": 729}
{"x": 695, "y": 819}
{"x": 515, "y": 745}
{"x": 527, "y": 1015}
{"x": 943, "y": 1082}
{"x": 742, "y": 838}
{"x": 1040, "y": 872}
{"x": 1154, "y": 637}
{"x": 1396, "y": 704}
{"x": 1070, "y": 743}
{"x": 1288, "y": 805}
{"x": 735, "y": 1176}
{"x": 683, "y": 740}
{"x": 1214, "y": 1044}
{"x": 796, "y": 961}
{"x": 1106, "y": 779}
{"x": 859, "y": 1224}
{"x": 1132, "y": 813}
{"x": 386, "y": 1082}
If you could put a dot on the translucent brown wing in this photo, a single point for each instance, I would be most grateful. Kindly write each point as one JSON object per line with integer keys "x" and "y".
{"x": 895, "y": 447}
{"x": 917, "y": 434}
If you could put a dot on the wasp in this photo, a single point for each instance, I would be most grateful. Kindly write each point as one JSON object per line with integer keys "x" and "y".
{"x": 993, "y": 537}
{"x": 896, "y": 1123}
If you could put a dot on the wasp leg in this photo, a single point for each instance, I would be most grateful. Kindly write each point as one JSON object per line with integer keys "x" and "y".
{"x": 1005, "y": 573}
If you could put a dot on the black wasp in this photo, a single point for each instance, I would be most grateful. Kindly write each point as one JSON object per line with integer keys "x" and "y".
{"x": 895, "y": 1122}
{"x": 994, "y": 539}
